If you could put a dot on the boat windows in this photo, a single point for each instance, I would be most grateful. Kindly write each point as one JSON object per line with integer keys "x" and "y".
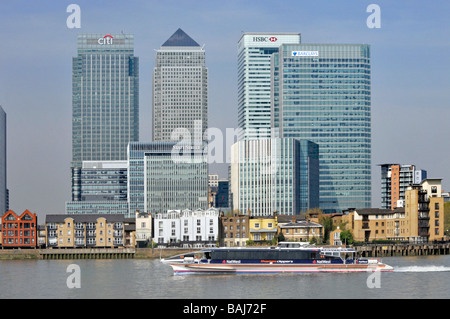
{"x": 257, "y": 254}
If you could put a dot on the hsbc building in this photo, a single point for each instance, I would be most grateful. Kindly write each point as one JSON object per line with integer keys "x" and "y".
{"x": 254, "y": 100}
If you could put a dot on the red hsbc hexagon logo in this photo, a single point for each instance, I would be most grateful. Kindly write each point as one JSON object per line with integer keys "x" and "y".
{"x": 273, "y": 39}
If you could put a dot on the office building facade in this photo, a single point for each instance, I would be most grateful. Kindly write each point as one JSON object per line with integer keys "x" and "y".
{"x": 322, "y": 93}
{"x": 274, "y": 175}
{"x": 105, "y": 98}
{"x": 99, "y": 187}
{"x": 175, "y": 177}
{"x": 105, "y": 106}
{"x": 395, "y": 179}
{"x": 100, "y": 181}
{"x": 4, "y": 207}
{"x": 254, "y": 80}
{"x": 180, "y": 90}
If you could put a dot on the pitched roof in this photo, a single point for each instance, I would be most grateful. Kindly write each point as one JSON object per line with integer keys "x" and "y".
{"x": 180, "y": 39}
{"x": 300, "y": 224}
{"x": 84, "y": 218}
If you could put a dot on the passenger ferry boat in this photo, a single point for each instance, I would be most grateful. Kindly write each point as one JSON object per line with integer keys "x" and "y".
{"x": 287, "y": 257}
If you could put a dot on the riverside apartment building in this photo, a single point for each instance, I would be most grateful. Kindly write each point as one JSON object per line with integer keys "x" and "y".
{"x": 420, "y": 220}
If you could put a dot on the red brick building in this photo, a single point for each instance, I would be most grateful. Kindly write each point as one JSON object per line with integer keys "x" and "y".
{"x": 19, "y": 231}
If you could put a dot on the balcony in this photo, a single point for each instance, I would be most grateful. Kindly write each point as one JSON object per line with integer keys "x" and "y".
{"x": 424, "y": 224}
{"x": 79, "y": 234}
{"x": 423, "y": 215}
{"x": 79, "y": 242}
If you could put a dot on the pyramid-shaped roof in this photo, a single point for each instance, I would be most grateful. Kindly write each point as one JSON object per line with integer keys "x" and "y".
{"x": 180, "y": 39}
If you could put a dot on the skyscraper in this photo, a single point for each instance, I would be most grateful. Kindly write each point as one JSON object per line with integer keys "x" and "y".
{"x": 3, "y": 190}
{"x": 175, "y": 177}
{"x": 321, "y": 93}
{"x": 105, "y": 98}
{"x": 180, "y": 89}
{"x": 254, "y": 104}
{"x": 274, "y": 174}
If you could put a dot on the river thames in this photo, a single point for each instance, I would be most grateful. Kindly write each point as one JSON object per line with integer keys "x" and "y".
{"x": 413, "y": 278}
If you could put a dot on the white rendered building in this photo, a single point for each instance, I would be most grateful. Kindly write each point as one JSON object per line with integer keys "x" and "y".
{"x": 187, "y": 228}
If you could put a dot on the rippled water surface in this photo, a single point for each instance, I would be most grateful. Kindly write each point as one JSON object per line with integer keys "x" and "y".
{"x": 413, "y": 277}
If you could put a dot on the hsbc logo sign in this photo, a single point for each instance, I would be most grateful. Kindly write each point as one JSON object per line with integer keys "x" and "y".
{"x": 265, "y": 39}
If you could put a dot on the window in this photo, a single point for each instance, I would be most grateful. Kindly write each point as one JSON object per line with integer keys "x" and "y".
{"x": 436, "y": 205}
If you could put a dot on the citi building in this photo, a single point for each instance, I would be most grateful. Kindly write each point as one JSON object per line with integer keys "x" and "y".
{"x": 105, "y": 98}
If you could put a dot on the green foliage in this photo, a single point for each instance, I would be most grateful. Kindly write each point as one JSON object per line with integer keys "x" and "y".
{"x": 447, "y": 218}
{"x": 347, "y": 237}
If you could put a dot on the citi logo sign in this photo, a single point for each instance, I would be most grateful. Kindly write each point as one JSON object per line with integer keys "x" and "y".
{"x": 107, "y": 39}
{"x": 264, "y": 39}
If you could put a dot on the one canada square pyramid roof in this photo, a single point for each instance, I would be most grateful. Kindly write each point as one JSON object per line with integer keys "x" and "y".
{"x": 180, "y": 39}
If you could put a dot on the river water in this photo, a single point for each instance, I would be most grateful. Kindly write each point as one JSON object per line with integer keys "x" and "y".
{"x": 413, "y": 278}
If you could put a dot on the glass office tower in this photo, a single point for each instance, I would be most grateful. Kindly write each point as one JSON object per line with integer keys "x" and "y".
{"x": 254, "y": 54}
{"x": 175, "y": 177}
{"x": 3, "y": 189}
{"x": 274, "y": 174}
{"x": 321, "y": 93}
{"x": 105, "y": 98}
{"x": 180, "y": 89}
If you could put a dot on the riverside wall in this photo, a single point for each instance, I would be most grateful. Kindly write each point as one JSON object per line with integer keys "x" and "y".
{"x": 156, "y": 253}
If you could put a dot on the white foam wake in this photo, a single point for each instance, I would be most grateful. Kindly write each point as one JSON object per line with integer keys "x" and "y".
{"x": 430, "y": 268}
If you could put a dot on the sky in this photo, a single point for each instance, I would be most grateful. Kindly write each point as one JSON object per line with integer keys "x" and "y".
{"x": 410, "y": 75}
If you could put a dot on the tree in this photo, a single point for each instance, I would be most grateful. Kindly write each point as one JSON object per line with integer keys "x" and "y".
{"x": 347, "y": 237}
{"x": 447, "y": 218}
{"x": 327, "y": 223}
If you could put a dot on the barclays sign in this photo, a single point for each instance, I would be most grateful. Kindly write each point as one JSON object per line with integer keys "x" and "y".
{"x": 305, "y": 53}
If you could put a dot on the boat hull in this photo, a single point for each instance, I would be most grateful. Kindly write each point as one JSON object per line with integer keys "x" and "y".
{"x": 277, "y": 268}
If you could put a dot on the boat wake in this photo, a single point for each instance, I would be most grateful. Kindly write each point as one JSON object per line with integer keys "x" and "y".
{"x": 430, "y": 268}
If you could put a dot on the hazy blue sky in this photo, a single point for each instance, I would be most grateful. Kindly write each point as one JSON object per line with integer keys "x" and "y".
{"x": 410, "y": 75}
